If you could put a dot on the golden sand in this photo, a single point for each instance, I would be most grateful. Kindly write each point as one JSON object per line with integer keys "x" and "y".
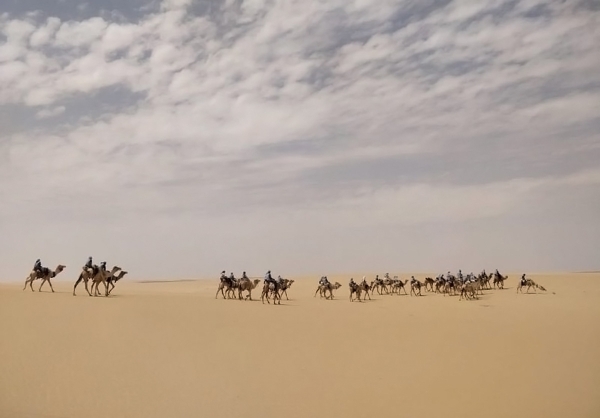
{"x": 172, "y": 350}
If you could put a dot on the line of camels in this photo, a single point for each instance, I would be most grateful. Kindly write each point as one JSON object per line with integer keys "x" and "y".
{"x": 469, "y": 287}
{"x": 94, "y": 275}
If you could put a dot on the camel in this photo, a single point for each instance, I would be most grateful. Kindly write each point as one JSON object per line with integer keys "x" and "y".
{"x": 379, "y": 285}
{"x": 355, "y": 289}
{"x": 468, "y": 291}
{"x": 323, "y": 288}
{"x": 245, "y": 285}
{"x": 415, "y": 288}
{"x": 85, "y": 275}
{"x": 499, "y": 281}
{"x": 399, "y": 285}
{"x": 529, "y": 283}
{"x": 111, "y": 280}
{"x": 365, "y": 287}
{"x": 102, "y": 277}
{"x": 284, "y": 286}
{"x": 45, "y": 274}
{"x": 224, "y": 285}
{"x": 429, "y": 282}
{"x": 271, "y": 289}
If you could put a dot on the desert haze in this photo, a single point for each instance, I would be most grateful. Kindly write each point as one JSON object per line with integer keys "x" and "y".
{"x": 170, "y": 349}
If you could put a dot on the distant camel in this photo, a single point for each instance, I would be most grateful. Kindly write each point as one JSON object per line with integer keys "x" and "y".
{"x": 379, "y": 285}
{"x": 429, "y": 282}
{"x": 529, "y": 284}
{"x": 85, "y": 275}
{"x": 324, "y": 288}
{"x": 354, "y": 290}
{"x": 468, "y": 291}
{"x": 102, "y": 277}
{"x": 365, "y": 287}
{"x": 399, "y": 285}
{"x": 415, "y": 287}
{"x": 271, "y": 289}
{"x": 113, "y": 279}
{"x": 499, "y": 281}
{"x": 245, "y": 285}
{"x": 284, "y": 286}
{"x": 224, "y": 286}
{"x": 45, "y": 274}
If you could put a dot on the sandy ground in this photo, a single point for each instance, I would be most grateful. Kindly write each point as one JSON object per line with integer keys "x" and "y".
{"x": 172, "y": 350}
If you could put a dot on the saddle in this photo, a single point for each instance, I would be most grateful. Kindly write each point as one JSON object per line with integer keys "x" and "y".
{"x": 45, "y": 271}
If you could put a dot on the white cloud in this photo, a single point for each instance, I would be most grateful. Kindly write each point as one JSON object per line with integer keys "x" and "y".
{"x": 50, "y": 112}
{"x": 246, "y": 104}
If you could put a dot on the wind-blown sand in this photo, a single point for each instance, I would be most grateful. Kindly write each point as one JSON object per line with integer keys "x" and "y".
{"x": 172, "y": 350}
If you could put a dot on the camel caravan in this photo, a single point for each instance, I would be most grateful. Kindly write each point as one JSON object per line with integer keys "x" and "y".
{"x": 467, "y": 287}
{"x": 232, "y": 288}
{"x": 90, "y": 273}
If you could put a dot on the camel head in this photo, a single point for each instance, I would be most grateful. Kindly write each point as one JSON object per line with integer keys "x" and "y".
{"x": 256, "y": 281}
{"x": 120, "y": 276}
{"x": 115, "y": 269}
{"x": 60, "y": 268}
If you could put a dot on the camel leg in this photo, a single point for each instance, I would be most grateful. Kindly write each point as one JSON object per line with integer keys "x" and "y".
{"x": 43, "y": 281}
{"x": 50, "y": 283}
{"x": 76, "y": 283}
{"x": 31, "y": 285}
{"x": 86, "y": 287}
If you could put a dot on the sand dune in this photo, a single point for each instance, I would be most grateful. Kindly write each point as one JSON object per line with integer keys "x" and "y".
{"x": 172, "y": 350}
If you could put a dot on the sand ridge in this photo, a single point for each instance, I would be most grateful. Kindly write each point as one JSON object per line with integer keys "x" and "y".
{"x": 171, "y": 349}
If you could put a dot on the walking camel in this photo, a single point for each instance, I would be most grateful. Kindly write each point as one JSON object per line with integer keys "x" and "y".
{"x": 246, "y": 285}
{"x": 529, "y": 284}
{"x": 102, "y": 277}
{"x": 45, "y": 274}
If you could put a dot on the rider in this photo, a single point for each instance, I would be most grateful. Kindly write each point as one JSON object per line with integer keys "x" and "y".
{"x": 232, "y": 277}
{"x": 37, "y": 267}
{"x": 523, "y": 280}
{"x": 244, "y": 275}
{"x": 352, "y": 284}
{"x": 412, "y": 279}
{"x": 460, "y": 275}
{"x": 386, "y": 276}
{"x": 103, "y": 266}
{"x": 324, "y": 281}
{"x": 269, "y": 278}
{"x": 89, "y": 264}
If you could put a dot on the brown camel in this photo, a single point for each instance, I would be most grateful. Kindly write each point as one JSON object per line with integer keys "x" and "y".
{"x": 399, "y": 285}
{"x": 45, "y": 274}
{"x": 365, "y": 287}
{"x": 245, "y": 285}
{"x": 429, "y": 282}
{"x": 415, "y": 288}
{"x": 499, "y": 281}
{"x": 324, "y": 288}
{"x": 271, "y": 289}
{"x": 284, "y": 286}
{"x": 354, "y": 290}
{"x": 468, "y": 291}
{"x": 114, "y": 279}
{"x": 85, "y": 275}
{"x": 529, "y": 284}
{"x": 102, "y": 277}
{"x": 224, "y": 286}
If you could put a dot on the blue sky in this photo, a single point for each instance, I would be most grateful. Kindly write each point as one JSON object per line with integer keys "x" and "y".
{"x": 181, "y": 138}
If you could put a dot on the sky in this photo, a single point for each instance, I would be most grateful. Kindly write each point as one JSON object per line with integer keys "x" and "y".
{"x": 179, "y": 138}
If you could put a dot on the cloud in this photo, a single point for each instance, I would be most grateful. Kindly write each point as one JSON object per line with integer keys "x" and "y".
{"x": 360, "y": 112}
{"x": 50, "y": 113}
